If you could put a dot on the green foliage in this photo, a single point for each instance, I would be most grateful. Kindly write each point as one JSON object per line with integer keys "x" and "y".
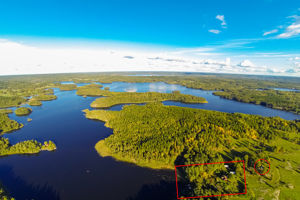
{"x": 5, "y": 111}
{"x": 35, "y": 103}
{"x": 89, "y": 90}
{"x": 4, "y": 195}
{"x": 283, "y": 100}
{"x": 142, "y": 135}
{"x": 7, "y": 125}
{"x": 44, "y": 97}
{"x": 25, "y": 147}
{"x": 10, "y": 101}
{"x": 114, "y": 98}
{"x": 106, "y": 88}
{"x": 66, "y": 87}
{"x": 23, "y": 111}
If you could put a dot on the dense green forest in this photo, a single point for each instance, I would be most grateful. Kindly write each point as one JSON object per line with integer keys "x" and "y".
{"x": 25, "y": 147}
{"x": 143, "y": 136}
{"x": 44, "y": 97}
{"x": 8, "y": 125}
{"x": 14, "y": 90}
{"x": 34, "y": 102}
{"x": 115, "y": 98}
{"x": 90, "y": 90}
{"x": 23, "y": 111}
{"x": 283, "y": 100}
{"x": 66, "y": 87}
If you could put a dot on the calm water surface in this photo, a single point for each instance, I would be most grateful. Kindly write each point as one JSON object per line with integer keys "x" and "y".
{"x": 75, "y": 170}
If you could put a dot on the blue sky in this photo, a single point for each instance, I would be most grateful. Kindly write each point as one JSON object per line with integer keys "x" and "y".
{"x": 263, "y": 33}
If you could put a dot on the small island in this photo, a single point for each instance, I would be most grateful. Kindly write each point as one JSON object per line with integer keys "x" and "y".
{"x": 67, "y": 87}
{"x": 25, "y": 147}
{"x": 44, "y": 97}
{"x": 116, "y": 98}
{"x": 34, "y": 103}
{"x": 90, "y": 90}
{"x": 22, "y": 111}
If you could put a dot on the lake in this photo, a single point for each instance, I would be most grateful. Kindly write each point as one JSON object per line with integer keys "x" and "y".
{"x": 75, "y": 170}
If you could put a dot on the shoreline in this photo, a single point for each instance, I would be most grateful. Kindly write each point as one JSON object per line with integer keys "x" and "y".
{"x": 104, "y": 151}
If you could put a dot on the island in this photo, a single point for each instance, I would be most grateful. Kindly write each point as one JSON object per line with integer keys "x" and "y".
{"x": 44, "y": 97}
{"x": 67, "y": 87}
{"x": 33, "y": 102}
{"x": 25, "y": 147}
{"x": 115, "y": 98}
{"x": 90, "y": 90}
{"x": 22, "y": 111}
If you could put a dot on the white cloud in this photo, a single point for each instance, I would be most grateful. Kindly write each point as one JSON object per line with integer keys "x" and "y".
{"x": 246, "y": 63}
{"x": 18, "y": 58}
{"x": 270, "y": 32}
{"x": 292, "y": 30}
{"x": 222, "y": 19}
{"x": 214, "y": 31}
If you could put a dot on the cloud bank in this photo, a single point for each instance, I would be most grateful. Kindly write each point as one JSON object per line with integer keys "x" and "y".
{"x": 18, "y": 58}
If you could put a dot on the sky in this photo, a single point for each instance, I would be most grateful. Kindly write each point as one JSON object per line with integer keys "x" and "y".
{"x": 233, "y": 36}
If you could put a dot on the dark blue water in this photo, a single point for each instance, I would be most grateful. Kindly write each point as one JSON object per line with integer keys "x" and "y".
{"x": 75, "y": 170}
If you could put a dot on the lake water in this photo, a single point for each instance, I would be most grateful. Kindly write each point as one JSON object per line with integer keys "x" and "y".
{"x": 75, "y": 170}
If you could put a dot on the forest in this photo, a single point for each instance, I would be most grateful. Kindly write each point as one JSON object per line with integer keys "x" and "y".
{"x": 8, "y": 125}
{"x": 67, "y": 87}
{"x": 25, "y": 147}
{"x": 282, "y": 100}
{"x": 143, "y": 136}
{"x": 115, "y": 98}
{"x": 22, "y": 111}
{"x": 15, "y": 90}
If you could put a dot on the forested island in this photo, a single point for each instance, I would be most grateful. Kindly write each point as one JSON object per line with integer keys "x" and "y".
{"x": 25, "y": 147}
{"x": 23, "y": 111}
{"x": 143, "y": 136}
{"x": 115, "y": 98}
{"x": 67, "y": 87}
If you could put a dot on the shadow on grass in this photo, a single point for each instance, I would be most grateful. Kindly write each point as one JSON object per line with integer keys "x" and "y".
{"x": 19, "y": 189}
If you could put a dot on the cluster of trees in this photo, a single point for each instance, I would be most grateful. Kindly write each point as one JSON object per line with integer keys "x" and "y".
{"x": 33, "y": 102}
{"x": 90, "y": 90}
{"x": 15, "y": 89}
{"x": 4, "y": 195}
{"x": 283, "y": 100}
{"x": 115, "y": 98}
{"x": 10, "y": 101}
{"x": 25, "y": 147}
{"x": 5, "y": 111}
{"x": 21, "y": 111}
{"x": 171, "y": 135}
{"x": 8, "y": 125}
{"x": 67, "y": 87}
{"x": 44, "y": 97}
